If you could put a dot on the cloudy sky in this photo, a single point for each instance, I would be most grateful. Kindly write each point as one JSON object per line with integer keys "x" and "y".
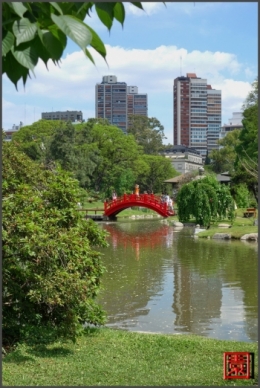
{"x": 217, "y": 41}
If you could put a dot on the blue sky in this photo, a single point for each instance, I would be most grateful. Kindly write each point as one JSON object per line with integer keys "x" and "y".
{"x": 217, "y": 41}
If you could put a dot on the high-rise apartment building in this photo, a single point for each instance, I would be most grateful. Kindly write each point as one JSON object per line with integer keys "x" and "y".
{"x": 197, "y": 113}
{"x": 115, "y": 101}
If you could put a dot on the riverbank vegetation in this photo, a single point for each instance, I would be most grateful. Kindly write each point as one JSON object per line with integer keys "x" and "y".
{"x": 236, "y": 232}
{"x": 115, "y": 357}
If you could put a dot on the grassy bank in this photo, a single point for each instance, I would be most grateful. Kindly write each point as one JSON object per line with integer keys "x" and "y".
{"x": 236, "y": 232}
{"x": 114, "y": 357}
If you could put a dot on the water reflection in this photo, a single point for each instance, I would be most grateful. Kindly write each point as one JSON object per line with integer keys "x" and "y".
{"x": 162, "y": 280}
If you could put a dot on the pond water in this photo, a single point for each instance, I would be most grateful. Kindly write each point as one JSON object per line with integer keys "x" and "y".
{"x": 161, "y": 279}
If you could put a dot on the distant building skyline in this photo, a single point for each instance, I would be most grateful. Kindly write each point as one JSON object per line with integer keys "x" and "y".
{"x": 10, "y": 132}
{"x": 68, "y": 115}
{"x": 115, "y": 100}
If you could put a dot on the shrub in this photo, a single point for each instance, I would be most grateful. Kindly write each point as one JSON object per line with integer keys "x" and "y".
{"x": 205, "y": 200}
{"x": 241, "y": 195}
{"x": 51, "y": 272}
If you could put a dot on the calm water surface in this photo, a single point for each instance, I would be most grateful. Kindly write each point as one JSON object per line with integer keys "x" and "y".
{"x": 162, "y": 279}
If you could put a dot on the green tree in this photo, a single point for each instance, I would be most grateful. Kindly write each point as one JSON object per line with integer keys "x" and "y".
{"x": 205, "y": 200}
{"x": 118, "y": 155}
{"x": 51, "y": 271}
{"x": 148, "y": 132}
{"x": 34, "y": 139}
{"x": 247, "y": 149}
{"x": 38, "y": 30}
{"x": 74, "y": 153}
{"x": 224, "y": 158}
{"x": 246, "y": 164}
{"x": 252, "y": 97}
{"x": 159, "y": 169}
{"x": 241, "y": 195}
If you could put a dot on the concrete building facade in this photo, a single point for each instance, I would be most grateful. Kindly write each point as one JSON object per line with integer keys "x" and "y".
{"x": 184, "y": 159}
{"x": 115, "y": 101}
{"x": 69, "y": 115}
{"x": 197, "y": 113}
{"x": 234, "y": 123}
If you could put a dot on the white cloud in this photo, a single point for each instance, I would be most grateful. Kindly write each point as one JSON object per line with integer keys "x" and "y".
{"x": 72, "y": 85}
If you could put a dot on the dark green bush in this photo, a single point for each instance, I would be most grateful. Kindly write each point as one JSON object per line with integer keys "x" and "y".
{"x": 51, "y": 271}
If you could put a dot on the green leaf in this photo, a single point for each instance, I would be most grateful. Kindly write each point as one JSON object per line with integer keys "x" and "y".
{"x": 14, "y": 70}
{"x": 105, "y": 12}
{"x": 57, "y": 7}
{"x": 137, "y": 4}
{"x": 24, "y": 30}
{"x": 74, "y": 29}
{"x": 83, "y": 9}
{"x": 27, "y": 57}
{"x": 40, "y": 49}
{"x": 7, "y": 43}
{"x": 89, "y": 56}
{"x": 59, "y": 35}
{"x": 119, "y": 12}
{"x": 18, "y": 8}
{"x": 97, "y": 43}
{"x": 52, "y": 45}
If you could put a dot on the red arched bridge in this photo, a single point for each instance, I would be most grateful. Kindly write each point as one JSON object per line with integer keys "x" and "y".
{"x": 150, "y": 201}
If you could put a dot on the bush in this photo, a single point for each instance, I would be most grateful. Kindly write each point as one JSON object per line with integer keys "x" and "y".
{"x": 241, "y": 195}
{"x": 51, "y": 273}
{"x": 205, "y": 200}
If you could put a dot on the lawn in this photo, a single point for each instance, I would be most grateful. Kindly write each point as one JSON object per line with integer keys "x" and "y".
{"x": 115, "y": 357}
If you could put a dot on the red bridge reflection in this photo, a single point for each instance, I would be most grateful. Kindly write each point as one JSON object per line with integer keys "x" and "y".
{"x": 143, "y": 240}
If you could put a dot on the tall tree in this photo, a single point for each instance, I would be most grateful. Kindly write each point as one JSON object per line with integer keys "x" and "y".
{"x": 224, "y": 158}
{"x": 118, "y": 154}
{"x": 252, "y": 97}
{"x": 247, "y": 149}
{"x": 39, "y": 30}
{"x": 246, "y": 166}
{"x": 159, "y": 169}
{"x": 34, "y": 139}
{"x": 148, "y": 132}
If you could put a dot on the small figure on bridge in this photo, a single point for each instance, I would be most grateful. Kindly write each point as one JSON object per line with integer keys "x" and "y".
{"x": 162, "y": 198}
{"x": 114, "y": 196}
{"x": 167, "y": 198}
{"x": 136, "y": 189}
{"x": 170, "y": 205}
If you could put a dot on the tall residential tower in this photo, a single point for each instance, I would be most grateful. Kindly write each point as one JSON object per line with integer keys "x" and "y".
{"x": 115, "y": 101}
{"x": 197, "y": 113}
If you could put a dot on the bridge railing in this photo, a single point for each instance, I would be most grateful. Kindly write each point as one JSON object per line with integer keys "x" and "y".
{"x": 152, "y": 199}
